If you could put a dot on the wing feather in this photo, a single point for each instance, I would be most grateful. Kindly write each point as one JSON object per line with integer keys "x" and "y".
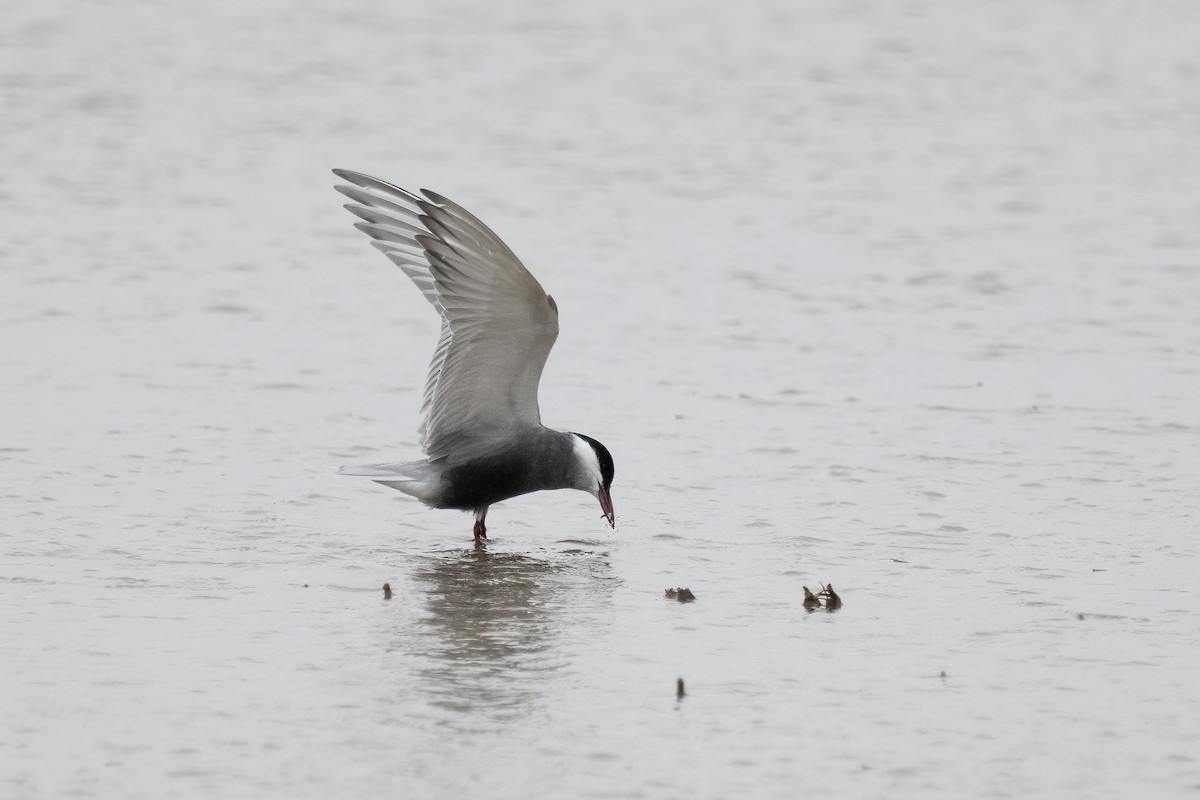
{"x": 498, "y": 324}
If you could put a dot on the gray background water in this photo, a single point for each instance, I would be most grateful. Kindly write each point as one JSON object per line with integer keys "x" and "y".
{"x": 901, "y": 296}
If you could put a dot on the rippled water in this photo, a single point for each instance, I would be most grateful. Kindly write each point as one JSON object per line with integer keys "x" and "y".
{"x": 896, "y": 296}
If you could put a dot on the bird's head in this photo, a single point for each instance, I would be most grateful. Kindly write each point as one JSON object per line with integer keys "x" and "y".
{"x": 594, "y": 473}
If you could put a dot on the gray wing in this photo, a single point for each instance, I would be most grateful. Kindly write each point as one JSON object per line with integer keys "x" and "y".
{"x": 498, "y": 324}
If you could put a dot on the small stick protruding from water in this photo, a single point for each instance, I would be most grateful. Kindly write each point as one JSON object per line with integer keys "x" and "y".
{"x": 679, "y": 692}
{"x": 832, "y": 601}
{"x": 810, "y": 600}
{"x": 682, "y": 594}
{"x": 387, "y": 591}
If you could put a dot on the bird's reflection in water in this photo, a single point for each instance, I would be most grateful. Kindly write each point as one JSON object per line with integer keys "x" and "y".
{"x": 494, "y": 619}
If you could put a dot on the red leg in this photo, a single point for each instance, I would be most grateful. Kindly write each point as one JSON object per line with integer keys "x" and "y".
{"x": 480, "y": 530}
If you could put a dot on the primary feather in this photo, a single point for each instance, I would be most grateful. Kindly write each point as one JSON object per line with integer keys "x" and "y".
{"x": 498, "y": 324}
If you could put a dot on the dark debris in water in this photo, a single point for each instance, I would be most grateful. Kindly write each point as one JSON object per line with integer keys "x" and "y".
{"x": 387, "y": 591}
{"x": 679, "y": 690}
{"x": 682, "y": 594}
{"x": 827, "y": 598}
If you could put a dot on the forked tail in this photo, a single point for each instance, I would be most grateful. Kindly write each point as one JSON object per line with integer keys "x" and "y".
{"x": 416, "y": 478}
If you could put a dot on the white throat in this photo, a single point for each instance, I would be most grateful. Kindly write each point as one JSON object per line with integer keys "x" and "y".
{"x": 589, "y": 464}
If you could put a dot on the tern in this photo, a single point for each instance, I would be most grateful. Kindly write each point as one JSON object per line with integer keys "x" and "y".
{"x": 481, "y": 429}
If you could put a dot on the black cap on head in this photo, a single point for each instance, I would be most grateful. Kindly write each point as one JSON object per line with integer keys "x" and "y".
{"x": 604, "y": 457}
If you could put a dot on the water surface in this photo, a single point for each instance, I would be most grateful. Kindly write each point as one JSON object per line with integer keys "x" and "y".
{"x": 898, "y": 297}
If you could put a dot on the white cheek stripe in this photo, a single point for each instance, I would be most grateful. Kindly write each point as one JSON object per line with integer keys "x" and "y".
{"x": 587, "y": 457}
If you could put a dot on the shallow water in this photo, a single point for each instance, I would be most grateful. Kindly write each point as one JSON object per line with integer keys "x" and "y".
{"x": 899, "y": 297}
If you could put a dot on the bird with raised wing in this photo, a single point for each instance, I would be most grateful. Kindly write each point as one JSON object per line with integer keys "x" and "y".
{"x": 481, "y": 429}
